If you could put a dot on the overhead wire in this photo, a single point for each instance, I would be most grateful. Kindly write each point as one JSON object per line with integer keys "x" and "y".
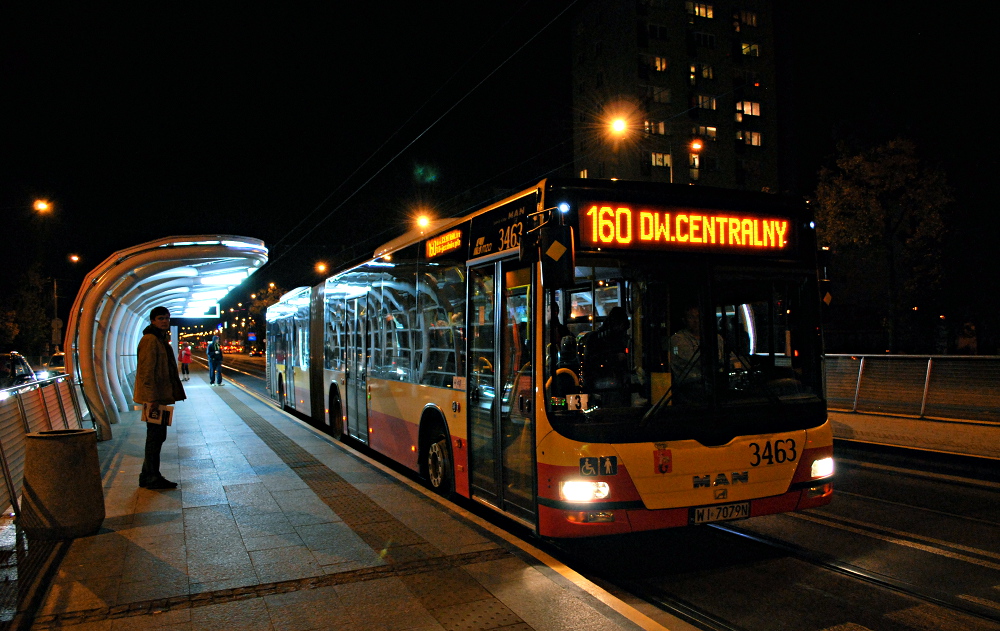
{"x": 421, "y": 134}
{"x": 398, "y": 129}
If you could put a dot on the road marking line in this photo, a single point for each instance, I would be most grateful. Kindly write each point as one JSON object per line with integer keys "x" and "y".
{"x": 923, "y": 474}
{"x": 904, "y": 542}
{"x": 985, "y": 602}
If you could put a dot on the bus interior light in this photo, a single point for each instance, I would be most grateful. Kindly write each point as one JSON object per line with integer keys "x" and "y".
{"x": 822, "y": 468}
{"x": 583, "y": 490}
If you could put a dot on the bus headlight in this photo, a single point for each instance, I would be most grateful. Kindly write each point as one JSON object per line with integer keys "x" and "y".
{"x": 822, "y": 468}
{"x": 583, "y": 491}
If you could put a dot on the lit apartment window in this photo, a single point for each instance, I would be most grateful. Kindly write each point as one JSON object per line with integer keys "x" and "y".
{"x": 694, "y": 162}
{"x": 749, "y": 18}
{"x": 699, "y": 9}
{"x": 659, "y": 64}
{"x": 749, "y": 137}
{"x": 750, "y": 50}
{"x": 703, "y": 71}
{"x": 704, "y": 39}
{"x": 746, "y": 108}
{"x": 704, "y": 132}
{"x": 657, "y": 128}
{"x": 661, "y": 159}
{"x": 706, "y": 102}
{"x": 583, "y": 173}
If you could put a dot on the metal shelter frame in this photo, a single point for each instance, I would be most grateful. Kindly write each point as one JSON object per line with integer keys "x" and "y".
{"x": 186, "y": 274}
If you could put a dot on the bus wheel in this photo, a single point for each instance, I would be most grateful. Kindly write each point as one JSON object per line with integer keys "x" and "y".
{"x": 438, "y": 463}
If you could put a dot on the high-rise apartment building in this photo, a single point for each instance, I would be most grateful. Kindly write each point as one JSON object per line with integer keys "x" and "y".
{"x": 676, "y": 91}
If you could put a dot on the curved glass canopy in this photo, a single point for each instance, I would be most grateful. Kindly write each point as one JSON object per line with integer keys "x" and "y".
{"x": 188, "y": 275}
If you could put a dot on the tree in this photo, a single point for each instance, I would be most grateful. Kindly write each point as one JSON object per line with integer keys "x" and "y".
{"x": 881, "y": 211}
{"x": 32, "y": 323}
{"x": 258, "y": 306}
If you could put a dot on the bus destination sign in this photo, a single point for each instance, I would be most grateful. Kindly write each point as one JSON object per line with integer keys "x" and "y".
{"x": 444, "y": 243}
{"x": 502, "y": 228}
{"x": 611, "y": 225}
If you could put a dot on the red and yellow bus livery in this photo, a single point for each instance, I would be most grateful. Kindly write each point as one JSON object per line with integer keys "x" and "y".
{"x": 585, "y": 357}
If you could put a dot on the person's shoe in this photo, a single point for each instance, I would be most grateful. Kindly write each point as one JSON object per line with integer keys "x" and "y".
{"x": 162, "y": 483}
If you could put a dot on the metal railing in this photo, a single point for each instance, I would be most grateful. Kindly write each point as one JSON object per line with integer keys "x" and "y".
{"x": 952, "y": 387}
{"x": 50, "y": 404}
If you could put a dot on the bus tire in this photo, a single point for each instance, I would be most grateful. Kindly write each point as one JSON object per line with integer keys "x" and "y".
{"x": 437, "y": 463}
{"x": 336, "y": 427}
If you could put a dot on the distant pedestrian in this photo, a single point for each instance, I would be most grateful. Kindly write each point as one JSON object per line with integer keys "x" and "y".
{"x": 214, "y": 352}
{"x": 156, "y": 384}
{"x": 185, "y": 357}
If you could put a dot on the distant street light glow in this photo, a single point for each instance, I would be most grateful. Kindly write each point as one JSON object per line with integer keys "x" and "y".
{"x": 321, "y": 268}
{"x": 619, "y": 126}
{"x": 423, "y": 221}
{"x": 42, "y": 206}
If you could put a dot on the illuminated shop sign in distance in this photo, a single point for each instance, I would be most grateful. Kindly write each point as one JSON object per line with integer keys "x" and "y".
{"x": 619, "y": 226}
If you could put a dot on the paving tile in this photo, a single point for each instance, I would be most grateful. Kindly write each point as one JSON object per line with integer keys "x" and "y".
{"x": 267, "y": 542}
{"x": 246, "y": 615}
{"x": 153, "y": 587}
{"x": 92, "y": 593}
{"x": 384, "y": 602}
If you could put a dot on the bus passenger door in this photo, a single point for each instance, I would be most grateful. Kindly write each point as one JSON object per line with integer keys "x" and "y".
{"x": 501, "y": 418}
{"x": 356, "y": 381}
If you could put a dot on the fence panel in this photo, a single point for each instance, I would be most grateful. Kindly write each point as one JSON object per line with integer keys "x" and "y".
{"x": 965, "y": 388}
{"x": 65, "y": 390}
{"x": 34, "y": 410}
{"x": 12, "y": 439}
{"x": 842, "y": 380}
{"x": 892, "y": 385}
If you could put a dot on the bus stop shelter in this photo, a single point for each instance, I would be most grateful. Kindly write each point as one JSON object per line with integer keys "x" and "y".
{"x": 186, "y": 274}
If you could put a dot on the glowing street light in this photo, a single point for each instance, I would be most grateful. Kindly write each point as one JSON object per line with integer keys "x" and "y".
{"x": 74, "y": 258}
{"x": 619, "y": 126}
{"x": 321, "y": 268}
{"x": 42, "y": 205}
{"x": 696, "y": 145}
{"x": 423, "y": 221}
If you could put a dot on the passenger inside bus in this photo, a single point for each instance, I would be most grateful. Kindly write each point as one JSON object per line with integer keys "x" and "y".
{"x": 688, "y": 382}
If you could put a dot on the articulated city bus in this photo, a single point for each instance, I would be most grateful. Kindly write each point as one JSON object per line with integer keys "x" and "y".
{"x": 587, "y": 357}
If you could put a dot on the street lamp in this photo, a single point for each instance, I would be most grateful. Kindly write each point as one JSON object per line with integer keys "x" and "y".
{"x": 42, "y": 205}
{"x": 321, "y": 268}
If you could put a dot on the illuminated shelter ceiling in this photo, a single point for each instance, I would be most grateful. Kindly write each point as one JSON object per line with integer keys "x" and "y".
{"x": 187, "y": 274}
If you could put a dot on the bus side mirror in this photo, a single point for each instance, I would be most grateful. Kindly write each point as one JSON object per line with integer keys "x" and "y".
{"x": 558, "y": 255}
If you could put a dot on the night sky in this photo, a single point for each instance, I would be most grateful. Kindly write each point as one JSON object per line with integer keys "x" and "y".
{"x": 261, "y": 120}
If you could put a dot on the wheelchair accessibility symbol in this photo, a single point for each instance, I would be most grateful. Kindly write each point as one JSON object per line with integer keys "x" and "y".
{"x": 603, "y": 465}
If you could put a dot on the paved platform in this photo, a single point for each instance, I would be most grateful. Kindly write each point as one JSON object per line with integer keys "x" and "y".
{"x": 275, "y": 526}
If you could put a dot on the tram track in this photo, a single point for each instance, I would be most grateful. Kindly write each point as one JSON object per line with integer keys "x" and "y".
{"x": 967, "y": 606}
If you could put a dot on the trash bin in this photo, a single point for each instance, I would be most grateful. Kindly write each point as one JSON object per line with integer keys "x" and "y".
{"x": 62, "y": 497}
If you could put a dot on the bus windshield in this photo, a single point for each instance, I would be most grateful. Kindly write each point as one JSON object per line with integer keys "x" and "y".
{"x": 648, "y": 351}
